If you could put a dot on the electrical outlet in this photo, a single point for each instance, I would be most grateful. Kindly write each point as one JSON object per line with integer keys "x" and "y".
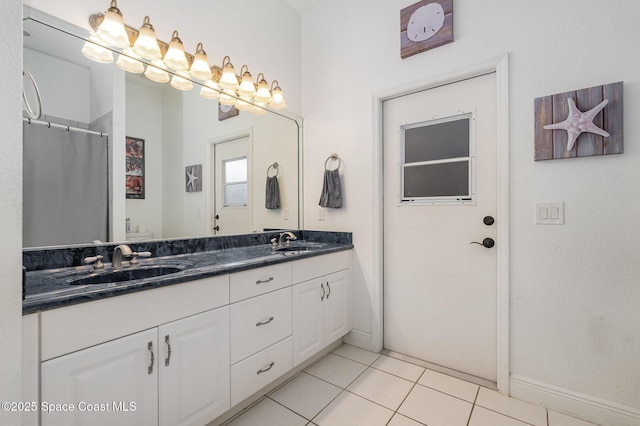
{"x": 285, "y": 213}
{"x": 320, "y": 213}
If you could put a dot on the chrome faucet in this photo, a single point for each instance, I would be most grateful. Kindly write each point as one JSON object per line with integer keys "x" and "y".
{"x": 120, "y": 251}
{"x": 288, "y": 237}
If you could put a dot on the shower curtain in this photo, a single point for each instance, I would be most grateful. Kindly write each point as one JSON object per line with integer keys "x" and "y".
{"x": 65, "y": 187}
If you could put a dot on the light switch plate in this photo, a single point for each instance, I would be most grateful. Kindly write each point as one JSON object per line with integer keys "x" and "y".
{"x": 550, "y": 213}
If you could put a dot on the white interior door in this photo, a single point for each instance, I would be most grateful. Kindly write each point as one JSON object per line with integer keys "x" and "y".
{"x": 232, "y": 209}
{"x": 440, "y": 290}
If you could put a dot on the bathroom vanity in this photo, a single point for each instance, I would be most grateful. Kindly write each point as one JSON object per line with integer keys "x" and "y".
{"x": 182, "y": 348}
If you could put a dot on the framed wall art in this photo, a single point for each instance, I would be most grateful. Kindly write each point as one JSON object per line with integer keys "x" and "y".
{"x": 193, "y": 178}
{"x": 135, "y": 168}
{"x": 425, "y": 25}
{"x": 226, "y": 111}
{"x": 580, "y": 123}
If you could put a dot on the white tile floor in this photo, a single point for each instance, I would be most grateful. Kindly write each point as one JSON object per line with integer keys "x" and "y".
{"x": 353, "y": 387}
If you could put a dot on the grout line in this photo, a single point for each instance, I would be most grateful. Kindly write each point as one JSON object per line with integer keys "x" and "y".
{"x": 329, "y": 403}
{"x": 350, "y": 359}
{"x": 290, "y": 409}
{"x": 473, "y": 406}
{"x": 395, "y": 375}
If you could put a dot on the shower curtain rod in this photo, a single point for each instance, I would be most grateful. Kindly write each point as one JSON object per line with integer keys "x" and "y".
{"x": 63, "y": 126}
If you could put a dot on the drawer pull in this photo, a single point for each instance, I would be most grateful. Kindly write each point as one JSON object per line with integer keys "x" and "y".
{"x": 153, "y": 358}
{"x": 258, "y": 324}
{"x": 264, "y": 281}
{"x": 168, "y": 358}
{"x": 265, "y": 369}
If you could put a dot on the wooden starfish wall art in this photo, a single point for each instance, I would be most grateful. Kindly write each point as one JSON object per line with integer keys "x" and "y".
{"x": 193, "y": 178}
{"x": 579, "y": 123}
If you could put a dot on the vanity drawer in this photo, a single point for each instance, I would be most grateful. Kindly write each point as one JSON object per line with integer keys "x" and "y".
{"x": 314, "y": 267}
{"x": 254, "y": 282}
{"x": 257, "y": 371}
{"x": 259, "y": 322}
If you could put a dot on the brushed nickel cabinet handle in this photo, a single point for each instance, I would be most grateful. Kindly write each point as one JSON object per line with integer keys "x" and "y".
{"x": 168, "y": 359}
{"x": 265, "y": 369}
{"x": 153, "y": 358}
{"x": 258, "y": 324}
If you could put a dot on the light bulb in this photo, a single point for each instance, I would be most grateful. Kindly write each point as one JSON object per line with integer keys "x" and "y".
{"x": 228, "y": 80}
{"x": 175, "y": 57}
{"x": 156, "y": 72}
{"x": 180, "y": 81}
{"x": 210, "y": 90}
{"x": 200, "y": 68}
{"x": 95, "y": 49}
{"x": 277, "y": 98}
{"x": 146, "y": 45}
{"x": 130, "y": 62}
{"x": 247, "y": 88}
{"x": 112, "y": 30}
{"x": 263, "y": 95}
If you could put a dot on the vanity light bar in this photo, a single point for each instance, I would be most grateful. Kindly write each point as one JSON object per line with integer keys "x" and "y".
{"x": 96, "y": 19}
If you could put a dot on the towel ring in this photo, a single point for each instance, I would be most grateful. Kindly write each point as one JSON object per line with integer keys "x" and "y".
{"x": 275, "y": 167}
{"x": 333, "y": 157}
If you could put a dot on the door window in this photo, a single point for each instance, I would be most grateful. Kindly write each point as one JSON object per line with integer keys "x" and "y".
{"x": 437, "y": 161}
{"x": 235, "y": 182}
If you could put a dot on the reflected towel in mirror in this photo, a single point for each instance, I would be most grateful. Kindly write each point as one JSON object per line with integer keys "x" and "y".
{"x": 272, "y": 198}
{"x": 331, "y": 191}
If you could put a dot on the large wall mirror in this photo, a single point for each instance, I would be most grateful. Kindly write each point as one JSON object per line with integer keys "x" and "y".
{"x": 172, "y": 165}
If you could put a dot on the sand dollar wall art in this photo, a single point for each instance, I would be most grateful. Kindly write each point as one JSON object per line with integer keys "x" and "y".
{"x": 579, "y": 123}
{"x": 425, "y": 25}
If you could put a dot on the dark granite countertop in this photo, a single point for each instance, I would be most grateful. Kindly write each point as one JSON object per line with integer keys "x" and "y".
{"x": 53, "y": 287}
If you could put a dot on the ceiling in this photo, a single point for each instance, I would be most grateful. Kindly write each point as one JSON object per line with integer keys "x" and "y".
{"x": 302, "y": 5}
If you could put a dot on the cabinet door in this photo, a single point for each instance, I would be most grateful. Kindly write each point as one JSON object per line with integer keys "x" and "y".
{"x": 337, "y": 313}
{"x": 308, "y": 319}
{"x": 108, "y": 384}
{"x": 194, "y": 368}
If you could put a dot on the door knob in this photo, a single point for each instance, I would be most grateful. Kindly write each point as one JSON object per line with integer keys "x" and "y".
{"x": 488, "y": 220}
{"x": 487, "y": 242}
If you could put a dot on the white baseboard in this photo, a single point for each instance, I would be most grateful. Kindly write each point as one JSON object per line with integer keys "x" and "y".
{"x": 358, "y": 338}
{"x": 575, "y": 404}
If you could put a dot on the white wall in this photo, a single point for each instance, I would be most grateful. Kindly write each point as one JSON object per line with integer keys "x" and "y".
{"x": 575, "y": 290}
{"x": 57, "y": 99}
{"x": 11, "y": 207}
{"x": 144, "y": 121}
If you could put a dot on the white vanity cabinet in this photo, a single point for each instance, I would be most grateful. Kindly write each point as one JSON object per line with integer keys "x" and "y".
{"x": 260, "y": 328}
{"x": 321, "y": 306}
{"x": 186, "y": 353}
{"x": 174, "y": 373}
